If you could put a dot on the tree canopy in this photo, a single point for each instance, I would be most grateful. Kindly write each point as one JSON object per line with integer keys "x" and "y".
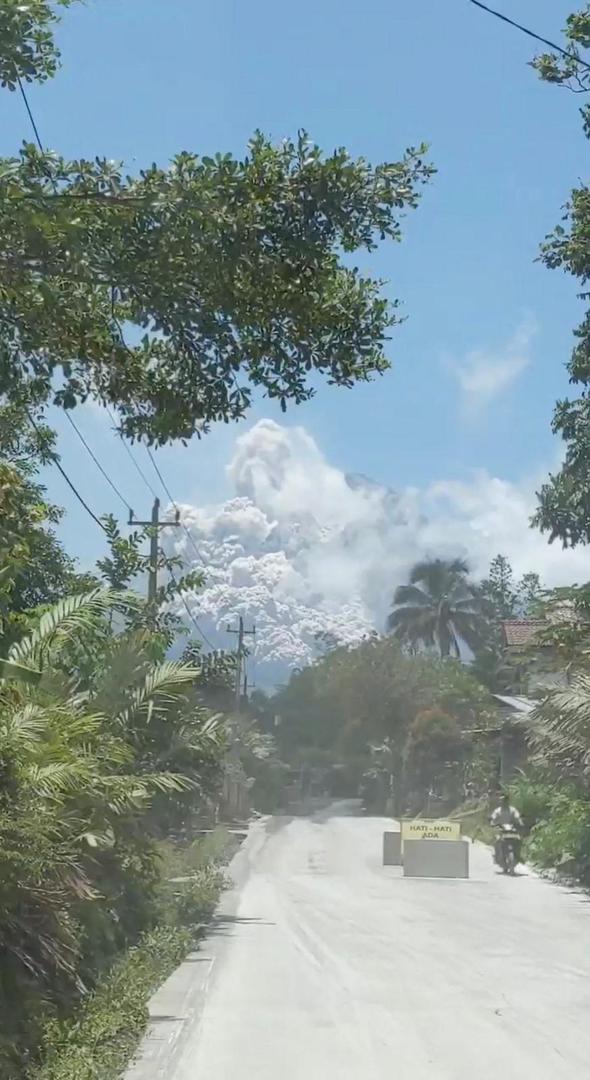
{"x": 172, "y": 294}
{"x": 34, "y": 567}
{"x": 27, "y": 46}
{"x": 564, "y": 501}
{"x": 159, "y": 294}
{"x": 356, "y": 697}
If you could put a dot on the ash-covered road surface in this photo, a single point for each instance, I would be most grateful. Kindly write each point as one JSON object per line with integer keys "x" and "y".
{"x": 331, "y": 967}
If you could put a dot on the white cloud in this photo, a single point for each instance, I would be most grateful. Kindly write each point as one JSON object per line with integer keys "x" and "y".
{"x": 303, "y": 547}
{"x": 484, "y": 374}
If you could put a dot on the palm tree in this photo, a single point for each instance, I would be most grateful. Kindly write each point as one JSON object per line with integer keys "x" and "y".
{"x": 89, "y": 768}
{"x": 559, "y": 731}
{"x": 439, "y": 607}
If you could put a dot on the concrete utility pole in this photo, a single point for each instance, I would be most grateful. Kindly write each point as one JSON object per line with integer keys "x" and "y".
{"x": 155, "y": 525}
{"x": 240, "y": 654}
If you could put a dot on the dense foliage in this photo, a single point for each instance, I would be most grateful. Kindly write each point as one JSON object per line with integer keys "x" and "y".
{"x": 27, "y": 46}
{"x": 226, "y": 274}
{"x": 35, "y": 569}
{"x": 502, "y": 597}
{"x": 96, "y": 761}
{"x": 353, "y": 699}
{"x": 564, "y": 502}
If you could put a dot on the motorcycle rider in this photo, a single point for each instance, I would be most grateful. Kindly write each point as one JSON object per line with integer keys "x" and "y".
{"x": 505, "y": 814}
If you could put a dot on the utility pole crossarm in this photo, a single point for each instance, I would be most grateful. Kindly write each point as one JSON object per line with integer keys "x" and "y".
{"x": 155, "y": 525}
{"x": 240, "y": 653}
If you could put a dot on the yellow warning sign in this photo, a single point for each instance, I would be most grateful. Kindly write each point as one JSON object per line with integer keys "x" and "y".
{"x": 422, "y": 829}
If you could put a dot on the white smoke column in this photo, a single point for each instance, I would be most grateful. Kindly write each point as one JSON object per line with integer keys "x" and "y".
{"x": 304, "y": 548}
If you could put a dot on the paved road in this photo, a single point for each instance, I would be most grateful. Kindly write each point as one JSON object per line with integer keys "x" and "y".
{"x": 335, "y": 968}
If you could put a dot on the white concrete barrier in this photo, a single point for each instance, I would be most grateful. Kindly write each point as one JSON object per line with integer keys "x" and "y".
{"x": 392, "y": 848}
{"x": 436, "y": 858}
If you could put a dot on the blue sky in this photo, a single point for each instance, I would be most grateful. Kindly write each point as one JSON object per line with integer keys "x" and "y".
{"x": 142, "y": 79}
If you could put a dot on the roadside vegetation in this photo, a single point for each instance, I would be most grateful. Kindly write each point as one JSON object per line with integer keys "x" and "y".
{"x": 168, "y": 297}
{"x": 418, "y": 731}
{"x": 117, "y": 760}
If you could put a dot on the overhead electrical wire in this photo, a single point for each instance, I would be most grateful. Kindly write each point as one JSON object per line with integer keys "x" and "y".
{"x": 141, "y": 473}
{"x": 132, "y": 455}
{"x": 30, "y": 114}
{"x": 110, "y": 482}
{"x": 190, "y": 614}
{"x": 128, "y": 449}
{"x": 530, "y": 33}
{"x": 55, "y": 461}
{"x": 187, "y": 531}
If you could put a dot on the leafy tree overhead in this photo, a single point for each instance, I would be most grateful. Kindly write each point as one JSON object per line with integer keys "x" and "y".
{"x": 564, "y": 501}
{"x": 27, "y": 46}
{"x": 35, "y": 568}
{"x": 439, "y": 607}
{"x": 172, "y": 294}
{"x": 228, "y": 268}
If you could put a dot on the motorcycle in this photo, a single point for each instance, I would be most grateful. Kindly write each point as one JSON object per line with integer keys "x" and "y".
{"x": 508, "y": 847}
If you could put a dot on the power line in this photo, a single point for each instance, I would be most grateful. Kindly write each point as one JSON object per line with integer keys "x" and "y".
{"x": 190, "y": 538}
{"x": 187, "y": 531}
{"x": 132, "y": 456}
{"x": 530, "y": 33}
{"x": 141, "y": 473}
{"x": 190, "y": 614}
{"x": 30, "y": 112}
{"x": 111, "y": 483}
{"x": 55, "y": 461}
{"x": 81, "y": 196}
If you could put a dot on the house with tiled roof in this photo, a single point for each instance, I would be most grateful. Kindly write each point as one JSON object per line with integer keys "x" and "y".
{"x": 519, "y": 633}
{"x": 525, "y": 641}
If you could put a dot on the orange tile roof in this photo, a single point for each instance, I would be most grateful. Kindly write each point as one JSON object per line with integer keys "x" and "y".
{"x": 522, "y": 631}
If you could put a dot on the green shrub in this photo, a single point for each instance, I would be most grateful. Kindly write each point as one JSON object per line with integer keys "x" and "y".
{"x": 564, "y": 838}
{"x": 99, "y": 1041}
{"x": 191, "y": 901}
{"x": 178, "y": 859}
{"x": 534, "y": 799}
{"x": 192, "y": 878}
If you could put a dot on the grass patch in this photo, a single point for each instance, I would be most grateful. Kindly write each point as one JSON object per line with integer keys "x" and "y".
{"x": 176, "y": 860}
{"x": 100, "y": 1040}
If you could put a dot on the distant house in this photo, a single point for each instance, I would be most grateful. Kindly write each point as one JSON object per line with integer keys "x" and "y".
{"x": 512, "y": 748}
{"x": 532, "y": 658}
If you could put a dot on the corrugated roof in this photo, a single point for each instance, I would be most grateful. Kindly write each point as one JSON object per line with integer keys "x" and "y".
{"x": 522, "y": 631}
{"x": 519, "y": 704}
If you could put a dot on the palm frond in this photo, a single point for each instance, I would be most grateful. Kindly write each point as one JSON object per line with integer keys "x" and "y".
{"x": 24, "y": 726}
{"x": 411, "y": 595}
{"x": 162, "y": 685}
{"x": 408, "y": 620}
{"x": 19, "y": 673}
{"x": 468, "y": 628}
{"x": 559, "y": 727}
{"x": 435, "y": 573}
{"x": 125, "y": 793}
{"x": 58, "y": 778}
{"x": 70, "y": 615}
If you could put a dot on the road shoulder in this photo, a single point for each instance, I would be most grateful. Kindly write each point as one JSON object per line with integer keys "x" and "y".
{"x": 177, "y": 1005}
